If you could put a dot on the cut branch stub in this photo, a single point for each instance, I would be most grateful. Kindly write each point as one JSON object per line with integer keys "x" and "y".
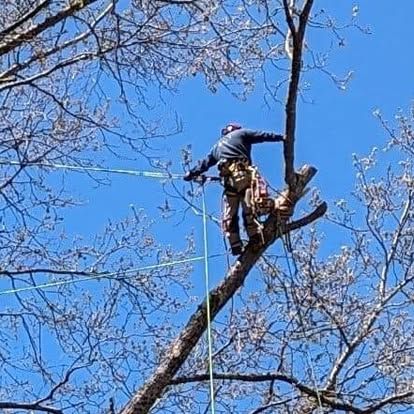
{"x": 290, "y": 196}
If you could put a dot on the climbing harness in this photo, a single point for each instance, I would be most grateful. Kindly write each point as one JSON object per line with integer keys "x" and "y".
{"x": 260, "y": 200}
{"x": 235, "y": 174}
{"x": 263, "y": 203}
{"x": 239, "y": 176}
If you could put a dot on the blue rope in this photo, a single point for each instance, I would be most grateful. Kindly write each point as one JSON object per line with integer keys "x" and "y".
{"x": 103, "y": 275}
{"x": 148, "y": 174}
{"x": 207, "y": 282}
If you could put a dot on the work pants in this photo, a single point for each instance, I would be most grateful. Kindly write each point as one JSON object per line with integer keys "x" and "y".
{"x": 232, "y": 200}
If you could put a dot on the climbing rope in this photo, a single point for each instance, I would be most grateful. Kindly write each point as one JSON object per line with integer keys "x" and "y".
{"x": 149, "y": 174}
{"x": 110, "y": 275}
{"x": 205, "y": 257}
{"x": 208, "y": 311}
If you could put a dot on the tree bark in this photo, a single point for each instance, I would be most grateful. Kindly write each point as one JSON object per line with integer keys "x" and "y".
{"x": 180, "y": 349}
{"x": 298, "y": 36}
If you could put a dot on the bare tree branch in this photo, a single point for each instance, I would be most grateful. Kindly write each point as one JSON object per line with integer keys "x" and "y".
{"x": 290, "y": 108}
{"x": 27, "y": 16}
{"x": 29, "y": 406}
{"x": 50, "y": 21}
{"x": 336, "y": 403}
{"x": 404, "y": 398}
{"x": 333, "y": 403}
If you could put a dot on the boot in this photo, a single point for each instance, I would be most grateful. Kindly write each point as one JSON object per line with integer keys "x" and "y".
{"x": 236, "y": 249}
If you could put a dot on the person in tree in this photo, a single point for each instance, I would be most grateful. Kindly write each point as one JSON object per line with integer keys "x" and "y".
{"x": 232, "y": 154}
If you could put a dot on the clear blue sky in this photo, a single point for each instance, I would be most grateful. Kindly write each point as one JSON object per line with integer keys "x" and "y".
{"x": 329, "y": 130}
{"x": 337, "y": 123}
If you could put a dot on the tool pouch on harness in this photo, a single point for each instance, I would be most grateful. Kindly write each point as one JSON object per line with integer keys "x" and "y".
{"x": 236, "y": 174}
{"x": 260, "y": 201}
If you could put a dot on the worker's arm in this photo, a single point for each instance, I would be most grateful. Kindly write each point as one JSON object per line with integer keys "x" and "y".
{"x": 255, "y": 137}
{"x": 203, "y": 166}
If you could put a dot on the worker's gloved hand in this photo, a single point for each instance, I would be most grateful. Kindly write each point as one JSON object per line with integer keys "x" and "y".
{"x": 189, "y": 175}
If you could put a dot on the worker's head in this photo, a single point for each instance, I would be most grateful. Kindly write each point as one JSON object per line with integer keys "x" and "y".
{"x": 232, "y": 126}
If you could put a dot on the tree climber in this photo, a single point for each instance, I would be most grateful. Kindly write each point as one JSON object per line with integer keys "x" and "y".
{"x": 232, "y": 153}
